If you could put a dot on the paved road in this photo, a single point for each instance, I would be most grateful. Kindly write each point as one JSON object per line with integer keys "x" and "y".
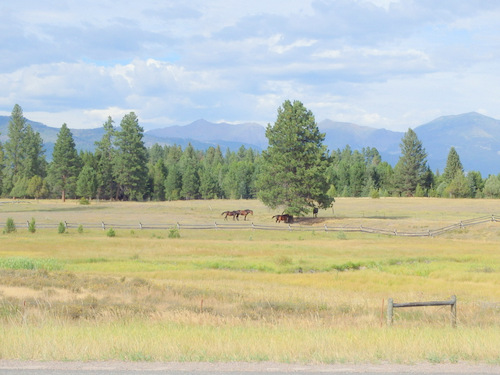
{"x": 134, "y": 368}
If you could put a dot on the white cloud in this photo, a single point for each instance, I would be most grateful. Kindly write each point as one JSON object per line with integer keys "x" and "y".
{"x": 387, "y": 63}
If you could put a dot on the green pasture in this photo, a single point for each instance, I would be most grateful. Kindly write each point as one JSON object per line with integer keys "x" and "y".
{"x": 249, "y": 295}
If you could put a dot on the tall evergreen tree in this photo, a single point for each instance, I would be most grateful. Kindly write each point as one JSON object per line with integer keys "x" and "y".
{"x": 453, "y": 166}
{"x": 65, "y": 166}
{"x": 293, "y": 169}
{"x": 106, "y": 186}
{"x": 189, "y": 165}
{"x": 158, "y": 180}
{"x": 130, "y": 161}
{"x": 14, "y": 152}
{"x": 411, "y": 169}
{"x": 173, "y": 183}
{"x": 34, "y": 163}
{"x": 86, "y": 185}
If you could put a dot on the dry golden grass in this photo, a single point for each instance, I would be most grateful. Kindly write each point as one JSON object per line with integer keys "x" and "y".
{"x": 249, "y": 295}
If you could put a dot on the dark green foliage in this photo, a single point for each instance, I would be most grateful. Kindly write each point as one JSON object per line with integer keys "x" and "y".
{"x": 106, "y": 186}
{"x": 65, "y": 166}
{"x": 10, "y": 227}
{"x": 174, "y": 233}
{"x": 492, "y": 187}
{"x": 411, "y": 169}
{"x": 14, "y": 152}
{"x": 130, "y": 159}
{"x": 61, "y": 229}
{"x": 293, "y": 169}
{"x": 453, "y": 166}
{"x": 294, "y": 173}
{"x": 23, "y": 157}
{"x": 86, "y": 185}
{"x": 32, "y": 225}
{"x": 84, "y": 201}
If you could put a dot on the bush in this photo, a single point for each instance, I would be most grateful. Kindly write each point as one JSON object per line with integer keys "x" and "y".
{"x": 174, "y": 233}
{"x": 80, "y": 229}
{"x": 61, "y": 228}
{"x": 32, "y": 225}
{"x": 374, "y": 193}
{"x": 9, "y": 226}
{"x": 111, "y": 232}
{"x": 84, "y": 201}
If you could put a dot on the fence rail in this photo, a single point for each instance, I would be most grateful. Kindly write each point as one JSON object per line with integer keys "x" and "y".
{"x": 287, "y": 227}
{"x": 452, "y": 302}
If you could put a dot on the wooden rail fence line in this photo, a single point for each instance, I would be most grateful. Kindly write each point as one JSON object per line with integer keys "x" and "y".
{"x": 452, "y": 302}
{"x": 289, "y": 227}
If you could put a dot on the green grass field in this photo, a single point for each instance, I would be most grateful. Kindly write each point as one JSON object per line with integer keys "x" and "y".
{"x": 250, "y": 295}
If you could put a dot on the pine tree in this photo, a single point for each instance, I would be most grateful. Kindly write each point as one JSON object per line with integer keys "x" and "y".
{"x": 189, "y": 166}
{"x": 411, "y": 169}
{"x": 86, "y": 185}
{"x": 173, "y": 183}
{"x": 130, "y": 161}
{"x": 106, "y": 186}
{"x": 158, "y": 176}
{"x": 293, "y": 169}
{"x": 65, "y": 166}
{"x": 14, "y": 153}
{"x": 453, "y": 166}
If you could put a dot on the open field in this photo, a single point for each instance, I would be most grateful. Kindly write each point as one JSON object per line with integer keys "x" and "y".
{"x": 243, "y": 295}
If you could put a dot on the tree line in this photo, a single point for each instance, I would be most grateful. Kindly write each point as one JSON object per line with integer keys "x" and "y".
{"x": 296, "y": 171}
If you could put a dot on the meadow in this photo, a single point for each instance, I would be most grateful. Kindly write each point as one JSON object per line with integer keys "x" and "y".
{"x": 249, "y": 295}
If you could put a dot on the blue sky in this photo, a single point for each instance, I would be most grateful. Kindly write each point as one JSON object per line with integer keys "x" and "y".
{"x": 390, "y": 64}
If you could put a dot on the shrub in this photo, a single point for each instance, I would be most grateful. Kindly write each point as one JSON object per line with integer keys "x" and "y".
{"x": 10, "y": 226}
{"x": 374, "y": 193}
{"x": 174, "y": 233}
{"x": 80, "y": 229}
{"x": 61, "y": 228}
{"x": 111, "y": 232}
{"x": 84, "y": 201}
{"x": 32, "y": 225}
{"x": 341, "y": 235}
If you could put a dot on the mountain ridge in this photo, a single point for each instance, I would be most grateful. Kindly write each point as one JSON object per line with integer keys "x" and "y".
{"x": 476, "y": 138}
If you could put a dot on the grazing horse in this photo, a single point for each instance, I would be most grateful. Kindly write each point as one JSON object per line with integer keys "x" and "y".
{"x": 245, "y": 213}
{"x": 315, "y": 212}
{"x": 234, "y": 214}
{"x": 284, "y": 218}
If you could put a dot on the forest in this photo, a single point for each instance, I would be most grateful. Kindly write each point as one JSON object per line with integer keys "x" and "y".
{"x": 122, "y": 168}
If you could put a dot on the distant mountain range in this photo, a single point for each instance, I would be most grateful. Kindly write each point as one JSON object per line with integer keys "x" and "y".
{"x": 475, "y": 137}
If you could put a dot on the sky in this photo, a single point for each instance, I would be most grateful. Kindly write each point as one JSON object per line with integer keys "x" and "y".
{"x": 391, "y": 64}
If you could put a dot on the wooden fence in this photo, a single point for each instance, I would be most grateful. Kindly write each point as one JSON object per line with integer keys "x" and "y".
{"x": 277, "y": 227}
{"x": 452, "y": 302}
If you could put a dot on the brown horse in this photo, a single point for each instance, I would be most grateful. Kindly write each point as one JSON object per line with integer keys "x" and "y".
{"x": 245, "y": 213}
{"x": 284, "y": 218}
{"x": 234, "y": 214}
{"x": 315, "y": 212}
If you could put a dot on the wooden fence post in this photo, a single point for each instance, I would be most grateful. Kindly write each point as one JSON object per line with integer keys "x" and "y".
{"x": 390, "y": 307}
{"x": 454, "y": 311}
